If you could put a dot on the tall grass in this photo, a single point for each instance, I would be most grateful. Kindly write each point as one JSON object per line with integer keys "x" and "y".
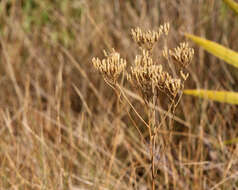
{"x": 61, "y": 127}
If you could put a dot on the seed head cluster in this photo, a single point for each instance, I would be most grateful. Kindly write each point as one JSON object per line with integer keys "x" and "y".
{"x": 145, "y": 74}
{"x": 182, "y": 54}
{"x": 151, "y": 79}
{"x": 147, "y": 39}
{"x": 110, "y": 67}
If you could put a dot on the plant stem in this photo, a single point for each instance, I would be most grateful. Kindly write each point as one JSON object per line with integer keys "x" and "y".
{"x": 152, "y": 162}
{"x": 152, "y": 140}
{"x": 115, "y": 143}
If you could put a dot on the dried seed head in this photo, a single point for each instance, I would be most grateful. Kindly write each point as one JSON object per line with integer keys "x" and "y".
{"x": 145, "y": 39}
{"x": 110, "y": 67}
{"x": 164, "y": 29}
{"x": 182, "y": 54}
{"x": 146, "y": 75}
{"x": 144, "y": 59}
{"x": 142, "y": 73}
{"x": 173, "y": 86}
{"x": 150, "y": 78}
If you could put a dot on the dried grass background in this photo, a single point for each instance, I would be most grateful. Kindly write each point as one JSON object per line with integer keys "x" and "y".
{"x": 57, "y": 115}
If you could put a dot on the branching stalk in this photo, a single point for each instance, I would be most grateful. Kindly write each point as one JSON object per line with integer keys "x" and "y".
{"x": 150, "y": 79}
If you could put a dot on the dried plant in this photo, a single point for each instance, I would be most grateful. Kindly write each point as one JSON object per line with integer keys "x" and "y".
{"x": 182, "y": 54}
{"x": 147, "y": 39}
{"x": 110, "y": 67}
{"x": 150, "y": 78}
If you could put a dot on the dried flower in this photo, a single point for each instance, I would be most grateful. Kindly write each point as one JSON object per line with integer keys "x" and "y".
{"x": 110, "y": 67}
{"x": 164, "y": 28}
{"x": 182, "y": 54}
{"x": 147, "y": 39}
{"x": 150, "y": 78}
{"x": 173, "y": 86}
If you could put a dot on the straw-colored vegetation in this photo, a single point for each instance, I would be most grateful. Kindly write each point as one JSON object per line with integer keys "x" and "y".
{"x": 150, "y": 79}
{"x": 63, "y": 127}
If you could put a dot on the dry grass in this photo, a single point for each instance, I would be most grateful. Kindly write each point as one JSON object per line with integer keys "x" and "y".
{"x": 63, "y": 128}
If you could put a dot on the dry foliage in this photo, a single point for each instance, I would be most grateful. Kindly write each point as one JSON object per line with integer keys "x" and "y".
{"x": 61, "y": 127}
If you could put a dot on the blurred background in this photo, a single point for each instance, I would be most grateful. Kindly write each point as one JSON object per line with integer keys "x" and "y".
{"x": 57, "y": 114}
